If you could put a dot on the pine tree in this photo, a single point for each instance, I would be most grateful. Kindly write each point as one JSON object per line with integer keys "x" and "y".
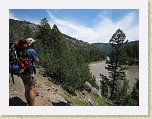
{"x": 44, "y": 32}
{"x": 43, "y": 40}
{"x": 121, "y": 93}
{"x": 135, "y": 94}
{"x": 27, "y": 32}
{"x": 114, "y": 64}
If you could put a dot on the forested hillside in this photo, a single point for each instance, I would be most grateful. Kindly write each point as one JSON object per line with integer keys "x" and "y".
{"x": 105, "y": 47}
{"x": 18, "y": 29}
{"x": 63, "y": 58}
{"x": 131, "y": 50}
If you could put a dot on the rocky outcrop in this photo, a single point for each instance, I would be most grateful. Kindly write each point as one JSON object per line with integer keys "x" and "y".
{"x": 96, "y": 92}
{"x": 89, "y": 87}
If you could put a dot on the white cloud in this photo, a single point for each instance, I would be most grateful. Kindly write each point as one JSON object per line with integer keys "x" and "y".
{"x": 12, "y": 16}
{"x": 26, "y": 18}
{"x": 126, "y": 21}
{"x": 106, "y": 28}
{"x": 102, "y": 31}
{"x": 128, "y": 27}
{"x": 77, "y": 31}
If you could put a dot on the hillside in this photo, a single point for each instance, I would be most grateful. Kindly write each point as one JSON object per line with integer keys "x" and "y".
{"x": 48, "y": 93}
{"x": 79, "y": 44}
{"x": 23, "y": 29}
{"x": 18, "y": 29}
{"x": 105, "y": 47}
{"x": 64, "y": 61}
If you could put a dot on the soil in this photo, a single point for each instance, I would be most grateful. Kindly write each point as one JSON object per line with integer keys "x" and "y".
{"x": 44, "y": 90}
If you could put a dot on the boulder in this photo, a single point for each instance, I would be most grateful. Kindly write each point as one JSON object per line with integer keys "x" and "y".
{"x": 87, "y": 86}
{"x": 96, "y": 92}
{"x": 56, "y": 99}
{"x": 90, "y": 103}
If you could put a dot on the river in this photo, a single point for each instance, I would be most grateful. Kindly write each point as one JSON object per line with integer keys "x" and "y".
{"x": 97, "y": 68}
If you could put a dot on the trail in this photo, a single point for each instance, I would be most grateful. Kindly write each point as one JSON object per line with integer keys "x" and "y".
{"x": 16, "y": 92}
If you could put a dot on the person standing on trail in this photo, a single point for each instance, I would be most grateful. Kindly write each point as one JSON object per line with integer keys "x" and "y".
{"x": 29, "y": 80}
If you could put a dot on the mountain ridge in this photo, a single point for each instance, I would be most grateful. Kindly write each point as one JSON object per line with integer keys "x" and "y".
{"x": 17, "y": 29}
{"x": 18, "y": 32}
{"x": 105, "y": 47}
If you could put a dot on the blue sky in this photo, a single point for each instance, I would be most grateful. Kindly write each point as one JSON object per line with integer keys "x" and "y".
{"x": 89, "y": 25}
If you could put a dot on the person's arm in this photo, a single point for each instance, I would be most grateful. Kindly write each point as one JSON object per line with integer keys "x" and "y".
{"x": 36, "y": 61}
{"x": 34, "y": 57}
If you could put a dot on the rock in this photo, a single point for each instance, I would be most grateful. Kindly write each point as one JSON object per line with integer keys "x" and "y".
{"x": 96, "y": 92}
{"x": 36, "y": 93}
{"x": 82, "y": 92}
{"x": 55, "y": 90}
{"x": 49, "y": 79}
{"x": 87, "y": 86}
{"x": 57, "y": 99}
{"x": 89, "y": 103}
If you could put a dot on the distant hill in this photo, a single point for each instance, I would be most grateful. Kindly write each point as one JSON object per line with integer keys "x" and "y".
{"x": 105, "y": 47}
{"x": 79, "y": 44}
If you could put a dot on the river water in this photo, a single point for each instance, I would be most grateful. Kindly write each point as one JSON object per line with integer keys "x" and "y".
{"x": 97, "y": 68}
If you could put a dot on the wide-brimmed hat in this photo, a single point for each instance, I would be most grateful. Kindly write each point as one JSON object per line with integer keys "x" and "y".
{"x": 30, "y": 41}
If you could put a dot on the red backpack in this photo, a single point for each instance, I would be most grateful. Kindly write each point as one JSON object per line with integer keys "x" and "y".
{"x": 18, "y": 60}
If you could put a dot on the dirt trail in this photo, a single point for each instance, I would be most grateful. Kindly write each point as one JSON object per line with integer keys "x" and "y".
{"x": 44, "y": 89}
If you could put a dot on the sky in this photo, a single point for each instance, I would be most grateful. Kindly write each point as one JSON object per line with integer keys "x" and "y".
{"x": 88, "y": 25}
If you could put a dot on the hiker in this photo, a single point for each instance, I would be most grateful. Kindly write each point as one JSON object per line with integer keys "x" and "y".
{"x": 29, "y": 80}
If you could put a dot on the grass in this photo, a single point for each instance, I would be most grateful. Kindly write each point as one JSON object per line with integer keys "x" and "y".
{"x": 79, "y": 102}
{"x": 74, "y": 100}
{"x": 98, "y": 101}
{"x": 38, "y": 85}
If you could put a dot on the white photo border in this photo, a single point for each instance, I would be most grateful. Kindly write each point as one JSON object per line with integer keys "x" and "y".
{"x": 142, "y": 109}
